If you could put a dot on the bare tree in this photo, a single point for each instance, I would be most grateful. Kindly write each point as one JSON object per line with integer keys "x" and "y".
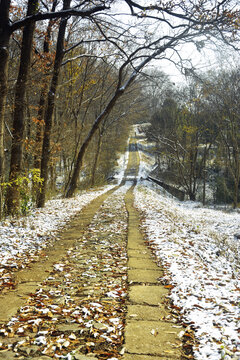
{"x": 43, "y": 94}
{"x": 50, "y": 106}
{"x": 4, "y": 42}
{"x": 12, "y": 204}
{"x": 178, "y": 23}
{"x": 7, "y": 28}
{"x": 225, "y": 98}
{"x": 162, "y": 29}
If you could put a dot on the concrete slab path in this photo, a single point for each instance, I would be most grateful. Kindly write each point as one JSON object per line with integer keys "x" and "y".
{"x": 148, "y": 336}
{"x": 93, "y": 261}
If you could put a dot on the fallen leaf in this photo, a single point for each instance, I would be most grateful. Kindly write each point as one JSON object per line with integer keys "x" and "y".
{"x": 154, "y": 332}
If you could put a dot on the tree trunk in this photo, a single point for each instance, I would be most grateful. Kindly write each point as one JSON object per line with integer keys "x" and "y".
{"x": 43, "y": 97}
{"x": 73, "y": 182}
{"x": 40, "y": 123}
{"x": 13, "y": 200}
{"x": 236, "y": 183}
{"x": 96, "y": 159}
{"x": 50, "y": 108}
{"x": 192, "y": 196}
{"x": 53, "y": 177}
{"x": 4, "y": 52}
{"x": 236, "y": 167}
{"x": 204, "y": 175}
{"x": 235, "y": 196}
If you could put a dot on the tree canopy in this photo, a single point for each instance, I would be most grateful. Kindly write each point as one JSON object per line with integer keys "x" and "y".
{"x": 127, "y": 35}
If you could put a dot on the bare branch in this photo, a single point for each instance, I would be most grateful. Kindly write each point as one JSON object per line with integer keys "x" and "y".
{"x": 56, "y": 15}
{"x": 87, "y": 56}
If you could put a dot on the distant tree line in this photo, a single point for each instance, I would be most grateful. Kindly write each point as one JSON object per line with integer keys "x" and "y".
{"x": 196, "y": 130}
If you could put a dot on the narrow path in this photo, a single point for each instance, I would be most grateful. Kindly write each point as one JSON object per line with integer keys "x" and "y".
{"x": 28, "y": 279}
{"x": 97, "y": 296}
{"x": 150, "y": 332}
{"x": 131, "y": 172}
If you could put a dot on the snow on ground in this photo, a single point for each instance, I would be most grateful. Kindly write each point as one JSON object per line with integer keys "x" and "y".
{"x": 78, "y": 310}
{"x": 22, "y": 239}
{"x": 146, "y": 165}
{"x": 147, "y": 160}
{"x": 222, "y": 224}
{"x": 195, "y": 245}
{"x": 197, "y": 248}
{"x": 122, "y": 162}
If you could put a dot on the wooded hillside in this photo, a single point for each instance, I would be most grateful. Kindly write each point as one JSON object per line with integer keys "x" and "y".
{"x": 69, "y": 84}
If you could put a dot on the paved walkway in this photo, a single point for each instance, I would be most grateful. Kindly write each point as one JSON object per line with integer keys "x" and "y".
{"x": 81, "y": 307}
{"x": 148, "y": 335}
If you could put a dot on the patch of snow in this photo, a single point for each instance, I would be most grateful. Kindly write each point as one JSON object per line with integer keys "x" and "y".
{"x": 20, "y": 239}
{"x": 191, "y": 245}
{"x": 147, "y": 163}
{"x": 122, "y": 164}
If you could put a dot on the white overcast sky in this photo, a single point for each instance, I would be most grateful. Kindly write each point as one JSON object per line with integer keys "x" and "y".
{"x": 211, "y": 56}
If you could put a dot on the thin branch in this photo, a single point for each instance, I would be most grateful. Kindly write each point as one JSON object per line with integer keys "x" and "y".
{"x": 56, "y": 15}
{"x": 86, "y": 56}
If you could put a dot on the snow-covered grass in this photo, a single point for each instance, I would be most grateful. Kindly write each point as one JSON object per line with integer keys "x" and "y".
{"x": 21, "y": 238}
{"x": 122, "y": 163}
{"x": 196, "y": 246}
{"x": 221, "y": 225}
{"x": 147, "y": 161}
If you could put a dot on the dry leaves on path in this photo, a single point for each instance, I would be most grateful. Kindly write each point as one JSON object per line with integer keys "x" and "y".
{"x": 24, "y": 240}
{"x": 79, "y": 309}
